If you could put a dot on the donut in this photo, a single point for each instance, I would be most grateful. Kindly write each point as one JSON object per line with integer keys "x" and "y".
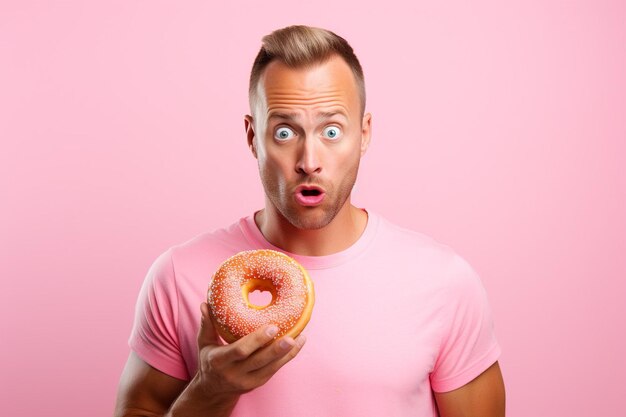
{"x": 232, "y": 313}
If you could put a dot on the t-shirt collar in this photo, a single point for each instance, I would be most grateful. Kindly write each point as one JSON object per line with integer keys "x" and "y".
{"x": 258, "y": 241}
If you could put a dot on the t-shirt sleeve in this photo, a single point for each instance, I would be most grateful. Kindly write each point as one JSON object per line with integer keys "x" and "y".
{"x": 154, "y": 337}
{"x": 469, "y": 345}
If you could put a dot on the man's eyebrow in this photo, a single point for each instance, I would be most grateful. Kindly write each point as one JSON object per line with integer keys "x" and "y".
{"x": 293, "y": 116}
{"x": 329, "y": 114}
{"x": 286, "y": 116}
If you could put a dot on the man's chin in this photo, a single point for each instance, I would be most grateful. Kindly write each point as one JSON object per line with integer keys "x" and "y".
{"x": 310, "y": 221}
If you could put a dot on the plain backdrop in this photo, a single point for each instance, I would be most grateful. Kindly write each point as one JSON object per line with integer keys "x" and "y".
{"x": 499, "y": 128}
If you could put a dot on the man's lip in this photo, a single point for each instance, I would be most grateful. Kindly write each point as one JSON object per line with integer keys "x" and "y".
{"x": 309, "y": 200}
{"x": 309, "y": 187}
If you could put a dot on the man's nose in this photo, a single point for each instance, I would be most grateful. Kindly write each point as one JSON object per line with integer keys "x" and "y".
{"x": 308, "y": 159}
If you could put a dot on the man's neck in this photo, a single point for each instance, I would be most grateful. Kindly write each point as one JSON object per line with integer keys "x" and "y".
{"x": 341, "y": 233}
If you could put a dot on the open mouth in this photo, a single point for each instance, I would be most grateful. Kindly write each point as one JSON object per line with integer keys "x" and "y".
{"x": 310, "y": 193}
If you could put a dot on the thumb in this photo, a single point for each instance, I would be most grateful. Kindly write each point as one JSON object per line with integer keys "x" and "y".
{"x": 207, "y": 335}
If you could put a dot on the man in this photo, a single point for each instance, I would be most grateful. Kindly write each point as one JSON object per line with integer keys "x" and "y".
{"x": 401, "y": 324}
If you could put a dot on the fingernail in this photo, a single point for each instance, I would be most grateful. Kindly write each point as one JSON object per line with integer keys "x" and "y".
{"x": 300, "y": 340}
{"x": 272, "y": 331}
{"x": 285, "y": 345}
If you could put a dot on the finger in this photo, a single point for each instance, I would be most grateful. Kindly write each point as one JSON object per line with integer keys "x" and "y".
{"x": 269, "y": 354}
{"x": 266, "y": 372}
{"x": 247, "y": 345}
{"x": 207, "y": 335}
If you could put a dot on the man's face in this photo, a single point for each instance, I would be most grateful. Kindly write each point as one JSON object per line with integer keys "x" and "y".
{"x": 308, "y": 137}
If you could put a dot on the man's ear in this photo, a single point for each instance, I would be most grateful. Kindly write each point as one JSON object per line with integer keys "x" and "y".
{"x": 366, "y": 132}
{"x": 250, "y": 135}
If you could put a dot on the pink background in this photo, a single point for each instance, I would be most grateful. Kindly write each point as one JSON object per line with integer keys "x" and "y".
{"x": 499, "y": 129}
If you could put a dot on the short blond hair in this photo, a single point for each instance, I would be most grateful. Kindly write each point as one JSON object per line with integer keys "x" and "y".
{"x": 300, "y": 46}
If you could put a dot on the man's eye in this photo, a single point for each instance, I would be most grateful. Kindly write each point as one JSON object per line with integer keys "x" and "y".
{"x": 332, "y": 132}
{"x": 284, "y": 133}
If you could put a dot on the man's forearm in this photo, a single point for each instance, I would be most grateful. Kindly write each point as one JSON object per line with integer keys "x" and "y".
{"x": 194, "y": 402}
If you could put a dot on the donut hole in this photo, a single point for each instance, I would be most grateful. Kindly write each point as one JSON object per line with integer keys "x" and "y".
{"x": 258, "y": 293}
{"x": 260, "y": 298}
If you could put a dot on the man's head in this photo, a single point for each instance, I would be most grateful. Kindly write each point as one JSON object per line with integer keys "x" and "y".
{"x": 302, "y": 46}
{"x": 308, "y": 129}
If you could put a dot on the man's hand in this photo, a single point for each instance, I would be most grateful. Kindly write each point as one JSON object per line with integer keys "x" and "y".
{"x": 227, "y": 371}
{"x": 224, "y": 373}
{"x": 245, "y": 364}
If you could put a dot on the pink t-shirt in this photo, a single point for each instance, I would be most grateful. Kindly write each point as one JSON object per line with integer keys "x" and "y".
{"x": 397, "y": 315}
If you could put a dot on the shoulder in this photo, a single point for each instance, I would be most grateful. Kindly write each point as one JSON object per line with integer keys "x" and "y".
{"x": 445, "y": 267}
{"x": 403, "y": 236}
{"x": 421, "y": 246}
{"x": 202, "y": 253}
